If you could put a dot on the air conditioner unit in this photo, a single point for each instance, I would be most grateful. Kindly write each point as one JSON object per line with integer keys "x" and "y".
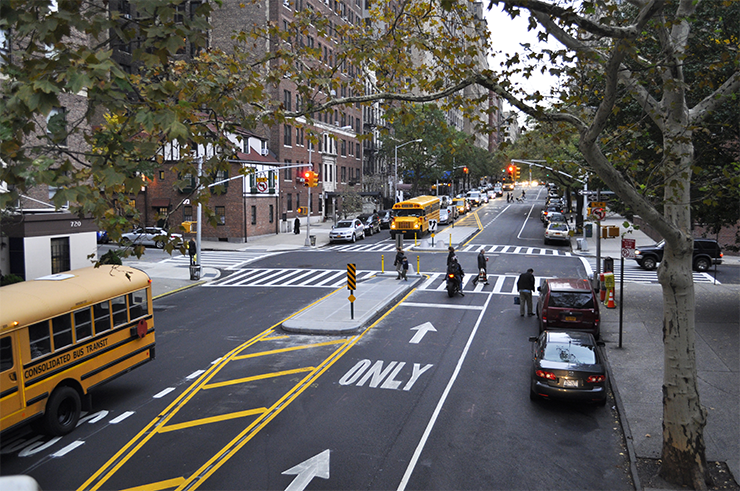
{"x": 264, "y": 152}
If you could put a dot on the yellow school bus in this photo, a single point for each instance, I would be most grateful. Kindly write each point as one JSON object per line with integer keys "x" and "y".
{"x": 415, "y": 216}
{"x": 65, "y": 334}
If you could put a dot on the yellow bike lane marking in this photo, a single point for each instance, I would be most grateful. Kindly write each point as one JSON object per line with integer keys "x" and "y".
{"x": 264, "y": 415}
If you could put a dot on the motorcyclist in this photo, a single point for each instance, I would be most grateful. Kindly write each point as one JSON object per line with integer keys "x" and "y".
{"x": 455, "y": 268}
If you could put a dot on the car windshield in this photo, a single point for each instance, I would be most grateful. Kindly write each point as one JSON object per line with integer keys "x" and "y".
{"x": 571, "y": 352}
{"x": 345, "y": 224}
{"x": 408, "y": 213}
{"x": 573, "y": 300}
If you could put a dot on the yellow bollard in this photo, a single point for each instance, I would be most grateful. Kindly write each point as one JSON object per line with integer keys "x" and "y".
{"x": 382, "y": 263}
{"x": 414, "y": 239}
{"x": 450, "y": 242}
{"x": 417, "y": 265}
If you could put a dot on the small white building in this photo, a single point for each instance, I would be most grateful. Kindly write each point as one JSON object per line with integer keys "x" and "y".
{"x": 36, "y": 243}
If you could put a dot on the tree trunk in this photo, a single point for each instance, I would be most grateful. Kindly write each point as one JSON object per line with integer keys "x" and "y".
{"x": 683, "y": 455}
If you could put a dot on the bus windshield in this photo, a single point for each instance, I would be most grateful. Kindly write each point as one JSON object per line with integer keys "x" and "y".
{"x": 406, "y": 212}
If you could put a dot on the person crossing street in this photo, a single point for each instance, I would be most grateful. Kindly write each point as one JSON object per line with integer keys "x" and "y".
{"x": 525, "y": 286}
{"x": 482, "y": 268}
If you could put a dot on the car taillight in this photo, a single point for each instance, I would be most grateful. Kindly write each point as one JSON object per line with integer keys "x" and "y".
{"x": 594, "y": 379}
{"x": 545, "y": 375}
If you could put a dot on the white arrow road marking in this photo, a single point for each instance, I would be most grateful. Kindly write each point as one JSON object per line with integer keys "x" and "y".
{"x": 68, "y": 448}
{"x": 316, "y": 466}
{"x": 421, "y": 331}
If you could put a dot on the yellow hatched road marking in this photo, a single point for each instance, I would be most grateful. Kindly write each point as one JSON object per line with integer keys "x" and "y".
{"x": 285, "y": 350}
{"x": 156, "y": 426}
{"x": 274, "y": 338}
{"x": 214, "y": 419}
{"x": 157, "y": 486}
{"x": 257, "y": 377}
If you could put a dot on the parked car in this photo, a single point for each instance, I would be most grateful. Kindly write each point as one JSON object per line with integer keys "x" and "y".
{"x": 498, "y": 189}
{"x": 348, "y": 230}
{"x": 557, "y": 231}
{"x": 568, "y": 365}
{"x": 484, "y": 196}
{"x": 547, "y": 211}
{"x": 371, "y": 221}
{"x": 444, "y": 215}
{"x": 706, "y": 253}
{"x": 386, "y": 217}
{"x": 149, "y": 236}
{"x": 554, "y": 216}
{"x": 568, "y": 304}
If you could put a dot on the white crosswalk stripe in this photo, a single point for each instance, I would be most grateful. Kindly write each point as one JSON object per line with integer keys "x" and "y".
{"x": 278, "y": 277}
{"x": 385, "y": 246}
{"x": 499, "y": 284}
{"x": 633, "y": 273}
{"x": 512, "y": 249}
{"x": 228, "y": 260}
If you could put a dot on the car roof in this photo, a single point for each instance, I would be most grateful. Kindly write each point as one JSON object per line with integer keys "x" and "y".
{"x": 568, "y": 284}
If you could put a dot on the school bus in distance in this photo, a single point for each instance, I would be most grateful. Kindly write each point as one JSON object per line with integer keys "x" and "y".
{"x": 414, "y": 216}
{"x": 65, "y": 334}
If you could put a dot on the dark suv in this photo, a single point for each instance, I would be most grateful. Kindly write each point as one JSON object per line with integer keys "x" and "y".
{"x": 706, "y": 253}
{"x": 568, "y": 304}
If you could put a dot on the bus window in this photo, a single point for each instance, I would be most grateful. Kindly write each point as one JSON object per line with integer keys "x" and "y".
{"x": 101, "y": 312}
{"x": 62, "y": 328}
{"x": 6, "y": 354}
{"x": 83, "y": 324}
{"x": 118, "y": 306}
{"x": 39, "y": 339}
{"x": 138, "y": 306}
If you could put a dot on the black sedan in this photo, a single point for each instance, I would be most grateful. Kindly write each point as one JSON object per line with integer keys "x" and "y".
{"x": 567, "y": 365}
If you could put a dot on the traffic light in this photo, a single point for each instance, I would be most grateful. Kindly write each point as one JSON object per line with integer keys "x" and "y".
{"x": 517, "y": 173}
{"x": 511, "y": 171}
{"x": 465, "y": 170}
{"x": 307, "y": 178}
{"x": 312, "y": 179}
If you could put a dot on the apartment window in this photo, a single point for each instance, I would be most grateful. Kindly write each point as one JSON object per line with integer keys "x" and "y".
{"x": 344, "y": 148}
{"x": 161, "y": 175}
{"x": 272, "y": 213}
{"x": 344, "y": 174}
{"x": 287, "y": 135}
{"x": 289, "y": 202}
{"x": 287, "y": 100}
{"x": 254, "y": 215}
{"x": 56, "y": 125}
{"x": 288, "y": 173}
{"x": 60, "y": 255}
{"x": 221, "y": 215}
{"x": 187, "y": 213}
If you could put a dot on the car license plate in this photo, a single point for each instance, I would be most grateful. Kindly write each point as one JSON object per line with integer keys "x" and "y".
{"x": 570, "y": 318}
{"x": 570, "y": 383}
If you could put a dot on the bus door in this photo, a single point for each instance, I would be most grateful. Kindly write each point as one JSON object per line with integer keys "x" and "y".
{"x": 10, "y": 394}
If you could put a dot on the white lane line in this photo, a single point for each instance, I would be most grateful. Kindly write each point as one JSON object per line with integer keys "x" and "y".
{"x": 440, "y": 306}
{"x": 68, "y": 448}
{"x": 120, "y": 418}
{"x": 195, "y": 374}
{"x": 163, "y": 393}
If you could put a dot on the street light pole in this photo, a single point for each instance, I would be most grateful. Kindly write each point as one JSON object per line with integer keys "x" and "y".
{"x": 395, "y": 173}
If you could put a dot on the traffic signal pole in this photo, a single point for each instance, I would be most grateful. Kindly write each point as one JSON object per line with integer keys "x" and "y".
{"x": 307, "y": 243}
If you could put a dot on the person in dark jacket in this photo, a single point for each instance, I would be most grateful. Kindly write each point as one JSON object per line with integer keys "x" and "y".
{"x": 482, "y": 265}
{"x": 297, "y": 226}
{"x": 398, "y": 263}
{"x": 456, "y": 268}
{"x": 450, "y": 255}
{"x": 525, "y": 286}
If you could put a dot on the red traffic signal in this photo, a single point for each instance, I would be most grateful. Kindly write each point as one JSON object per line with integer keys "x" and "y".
{"x": 511, "y": 170}
{"x": 465, "y": 170}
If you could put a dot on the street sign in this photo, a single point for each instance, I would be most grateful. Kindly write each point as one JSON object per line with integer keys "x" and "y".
{"x": 599, "y": 214}
{"x": 351, "y": 277}
{"x": 262, "y": 186}
{"x": 432, "y": 225}
{"x": 628, "y": 248}
{"x": 597, "y": 204}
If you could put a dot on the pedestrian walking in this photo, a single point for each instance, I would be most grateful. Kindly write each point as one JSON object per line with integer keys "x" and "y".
{"x": 297, "y": 226}
{"x": 404, "y": 268}
{"x": 525, "y": 286}
{"x": 524, "y": 195}
{"x": 398, "y": 263}
{"x": 482, "y": 267}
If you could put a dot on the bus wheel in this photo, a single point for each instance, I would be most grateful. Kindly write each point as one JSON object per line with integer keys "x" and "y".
{"x": 62, "y": 411}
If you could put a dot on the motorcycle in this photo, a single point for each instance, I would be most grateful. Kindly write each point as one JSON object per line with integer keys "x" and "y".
{"x": 453, "y": 285}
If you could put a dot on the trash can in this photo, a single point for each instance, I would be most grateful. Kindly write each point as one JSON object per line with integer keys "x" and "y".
{"x": 608, "y": 264}
{"x": 195, "y": 272}
{"x": 589, "y": 230}
{"x": 312, "y": 238}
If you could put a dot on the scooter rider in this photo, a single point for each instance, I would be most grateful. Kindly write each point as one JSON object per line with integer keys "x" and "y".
{"x": 455, "y": 268}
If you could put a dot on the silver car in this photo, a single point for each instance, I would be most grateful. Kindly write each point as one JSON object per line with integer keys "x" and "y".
{"x": 347, "y": 230}
{"x": 149, "y": 236}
